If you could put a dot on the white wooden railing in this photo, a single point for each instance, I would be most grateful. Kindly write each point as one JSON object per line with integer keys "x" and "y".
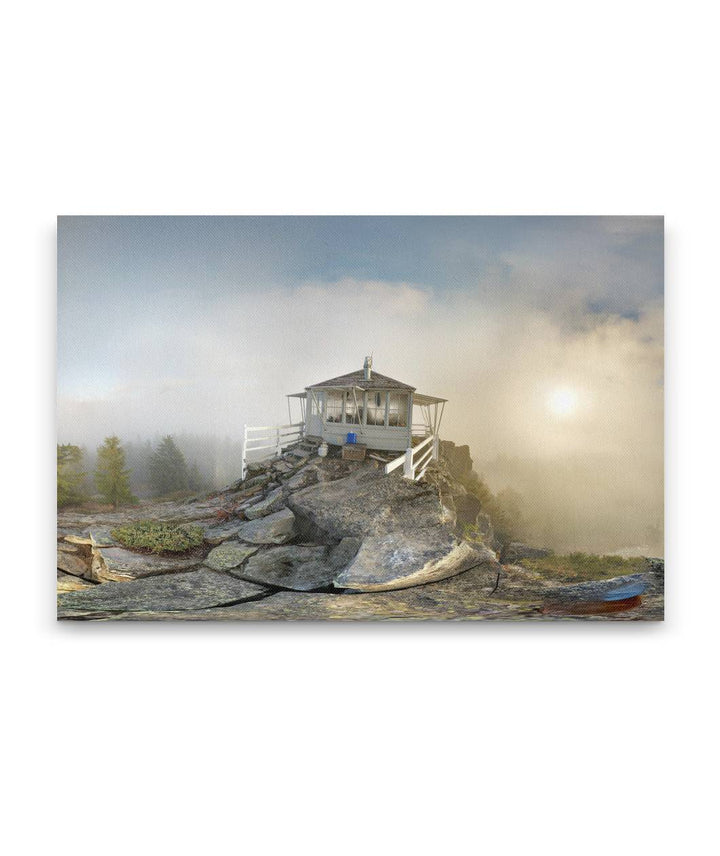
{"x": 415, "y": 460}
{"x": 264, "y": 437}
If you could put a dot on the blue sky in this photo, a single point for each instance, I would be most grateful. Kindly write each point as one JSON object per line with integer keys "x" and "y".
{"x": 146, "y": 254}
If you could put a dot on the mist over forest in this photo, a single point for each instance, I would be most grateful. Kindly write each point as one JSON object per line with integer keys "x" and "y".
{"x": 212, "y": 462}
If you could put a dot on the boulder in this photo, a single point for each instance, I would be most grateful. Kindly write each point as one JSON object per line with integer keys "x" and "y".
{"x": 301, "y": 568}
{"x": 304, "y": 478}
{"x": 253, "y": 500}
{"x": 102, "y": 537}
{"x": 276, "y": 528}
{"x": 406, "y": 531}
{"x": 72, "y": 559}
{"x": 366, "y": 502}
{"x": 194, "y": 590}
{"x": 256, "y": 481}
{"x": 219, "y": 532}
{"x": 228, "y": 555}
{"x": 342, "y": 554}
{"x": 401, "y": 559}
{"x": 74, "y": 538}
{"x": 515, "y": 551}
{"x": 457, "y": 458}
{"x": 119, "y": 564}
{"x": 467, "y": 509}
{"x": 272, "y": 502}
{"x": 70, "y": 582}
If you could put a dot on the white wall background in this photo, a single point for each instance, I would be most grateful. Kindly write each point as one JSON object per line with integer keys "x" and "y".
{"x": 586, "y": 738}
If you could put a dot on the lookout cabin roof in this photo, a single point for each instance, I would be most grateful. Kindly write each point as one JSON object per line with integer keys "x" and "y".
{"x": 357, "y": 380}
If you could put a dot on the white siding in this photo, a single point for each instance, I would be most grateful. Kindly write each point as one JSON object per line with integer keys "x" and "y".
{"x": 373, "y": 436}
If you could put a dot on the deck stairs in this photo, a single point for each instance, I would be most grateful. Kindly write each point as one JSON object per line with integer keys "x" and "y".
{"x": 306, "y": 447}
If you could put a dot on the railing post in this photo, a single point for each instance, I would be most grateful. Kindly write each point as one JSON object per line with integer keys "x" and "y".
{"x": 243, "y": 462}
{"x": 408, "y": 471}
{"x": 436, "y": 447}
{"x": 279, "y": 446}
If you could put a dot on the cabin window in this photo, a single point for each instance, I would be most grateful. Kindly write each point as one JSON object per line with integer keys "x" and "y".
{"x": 397, "y": 410}
{"x": 314, "y": 404}
{"x": 353, "y": 410}
{"x": 334, "y": 406}
{"x": 376, "y": 408}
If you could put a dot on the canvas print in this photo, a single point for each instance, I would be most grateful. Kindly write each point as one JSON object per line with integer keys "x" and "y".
{"x": 360, "y": 418}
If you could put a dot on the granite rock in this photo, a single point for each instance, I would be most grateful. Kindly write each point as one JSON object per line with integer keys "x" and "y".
{"x": 193, "y": 590}
{"x": 119, "y": 564}
{"x": 228, "y": 555}
{"x": 269, "y": 504}
{"x": 276, "y": 528}
{"x": 302, "y": 568}
{"x": 402, "y": 559}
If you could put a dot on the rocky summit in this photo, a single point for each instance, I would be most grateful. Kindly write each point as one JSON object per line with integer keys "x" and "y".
{"x": 324, "y": 538}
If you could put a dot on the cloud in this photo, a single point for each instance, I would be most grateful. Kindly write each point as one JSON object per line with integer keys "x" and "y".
{"x": 236, "y": 359}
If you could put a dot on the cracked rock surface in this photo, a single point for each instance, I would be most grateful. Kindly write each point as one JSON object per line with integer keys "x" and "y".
{"x": 193, "y": 590}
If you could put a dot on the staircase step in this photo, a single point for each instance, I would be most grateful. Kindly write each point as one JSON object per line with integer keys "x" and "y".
{"x": 297, "y": 452}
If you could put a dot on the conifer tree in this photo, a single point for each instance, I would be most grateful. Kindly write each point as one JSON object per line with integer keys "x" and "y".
{"x": 111, "y": 476}
{"x": 70, "y": 475}
{"x": 168, "y": 468}
{"x": 195, "y": 478}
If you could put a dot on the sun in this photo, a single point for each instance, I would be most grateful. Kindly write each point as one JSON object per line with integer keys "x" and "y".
{"x": 562, "y": 402}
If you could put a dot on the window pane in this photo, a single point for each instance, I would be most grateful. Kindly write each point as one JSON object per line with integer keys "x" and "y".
{"x": 376, "y": 408}
{"x": 397, "y": 410}
{"x": 353, "y": 412}
{"x": 333, "y": 406}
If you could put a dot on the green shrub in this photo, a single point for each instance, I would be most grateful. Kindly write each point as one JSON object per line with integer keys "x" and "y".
{"x": 159, "y": 537}
{"x": 579, "y": 567}
{"x": 472, "y": 533}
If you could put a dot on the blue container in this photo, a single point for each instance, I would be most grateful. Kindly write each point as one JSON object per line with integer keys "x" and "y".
{"x": 352, "y": 438}
{"x": 626, "y": 591}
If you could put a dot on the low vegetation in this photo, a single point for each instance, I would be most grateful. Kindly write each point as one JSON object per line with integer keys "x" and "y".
{"x": 472, "y": 534}
{"x": 580, "y": 567}
{"x": 159, "y": 537}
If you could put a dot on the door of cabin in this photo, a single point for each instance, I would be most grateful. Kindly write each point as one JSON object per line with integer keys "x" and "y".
{"x": 313, "y": 421}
